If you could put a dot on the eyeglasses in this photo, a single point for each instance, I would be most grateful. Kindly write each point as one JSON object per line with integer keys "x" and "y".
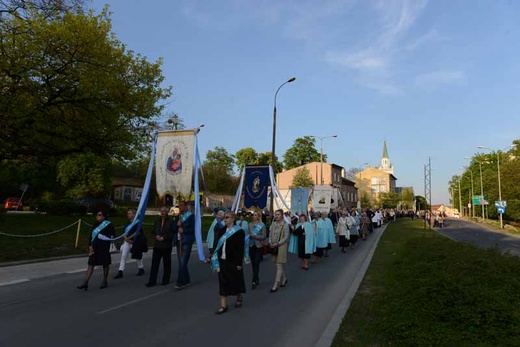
{"x": 99, "y": 215}
{"x": 228, "y": 217}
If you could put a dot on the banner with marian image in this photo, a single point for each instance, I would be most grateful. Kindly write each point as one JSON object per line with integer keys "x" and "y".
{"x": 256, "y": 186}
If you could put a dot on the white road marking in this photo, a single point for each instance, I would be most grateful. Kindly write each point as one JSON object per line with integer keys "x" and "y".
{"x": 132, "y": 302}
{"x": 75, "y": 271}
{"x": 14, "y": 282}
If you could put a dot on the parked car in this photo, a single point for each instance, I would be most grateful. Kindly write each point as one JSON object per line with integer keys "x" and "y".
{"x": 13, "y": 204}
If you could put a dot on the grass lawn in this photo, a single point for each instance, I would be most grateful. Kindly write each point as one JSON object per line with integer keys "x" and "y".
{"x": 422, "y": 289}
{"x": 58, "y": 244}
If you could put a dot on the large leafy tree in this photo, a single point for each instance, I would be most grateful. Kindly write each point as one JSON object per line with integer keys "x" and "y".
{"x": 302, "y": 178}
{"x": 246, "y": 156}
{"x": 67, "y": 85}
{"x": 302, "y": 152}
{"x": 218, "y": 171}
{"x": 264, "y": 158}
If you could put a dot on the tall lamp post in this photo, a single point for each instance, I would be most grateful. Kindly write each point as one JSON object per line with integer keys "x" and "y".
{"x": 273, "y": 156}
{"x": 481, "y": 185}
{"x": 321, "y": 152}
{"x": 472, "y": 193}
{"x": 499, "y": 185}
{"x": 460, "y": 199}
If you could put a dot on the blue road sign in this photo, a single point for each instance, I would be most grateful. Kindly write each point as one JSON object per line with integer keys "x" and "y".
{"x": 501, "y": 210}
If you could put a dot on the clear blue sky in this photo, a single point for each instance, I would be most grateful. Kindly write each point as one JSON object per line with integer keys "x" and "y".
{"x": 435, "y": 78}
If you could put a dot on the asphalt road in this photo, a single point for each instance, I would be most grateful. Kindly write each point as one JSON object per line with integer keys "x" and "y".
{"x": 50, "y": 311}
{"x": 480, "y": 235}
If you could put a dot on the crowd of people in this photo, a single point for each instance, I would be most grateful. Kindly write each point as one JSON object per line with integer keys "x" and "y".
{"x": 232, "y": 241}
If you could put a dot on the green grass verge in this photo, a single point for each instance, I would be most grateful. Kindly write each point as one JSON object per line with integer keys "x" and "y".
{"x": 422, "y": 289}
{"x": 58, "y": 244}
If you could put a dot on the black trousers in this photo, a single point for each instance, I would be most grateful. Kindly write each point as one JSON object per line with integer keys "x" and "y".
{"x": 256, "y": 255}
{"x": 166, "y": 255}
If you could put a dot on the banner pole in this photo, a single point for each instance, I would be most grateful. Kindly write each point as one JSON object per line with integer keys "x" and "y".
{"x": 77, "y": 233}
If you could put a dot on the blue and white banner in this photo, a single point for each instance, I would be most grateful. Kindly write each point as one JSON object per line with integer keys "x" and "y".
{"x": 256, "y": 186}
{"x": 174, "y": 162}
{"x": 300, "y": 200}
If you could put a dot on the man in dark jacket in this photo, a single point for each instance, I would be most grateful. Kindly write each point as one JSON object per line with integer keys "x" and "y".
{"x": 163, "y": 233}
{"x": 184, "y": 227}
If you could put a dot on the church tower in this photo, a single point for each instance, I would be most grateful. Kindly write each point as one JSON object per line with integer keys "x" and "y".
{"x": 386, "y": 166}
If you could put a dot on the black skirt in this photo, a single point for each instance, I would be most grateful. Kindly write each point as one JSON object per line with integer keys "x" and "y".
{"x": 353, "y": 238}
{"x": 343, "y": 242}
{"x": 100, "y": 258}
{"x": 230, "y": 280}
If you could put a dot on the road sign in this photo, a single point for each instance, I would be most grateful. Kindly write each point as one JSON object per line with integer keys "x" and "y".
{"x": 501, "y": 210}
{"x": 478, "y": 199}
{"x": 502, "y": 203}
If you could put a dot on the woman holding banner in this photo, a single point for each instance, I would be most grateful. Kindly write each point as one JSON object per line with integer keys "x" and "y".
{"x": 227, "y": 260}
{"x": 278, "y": 237}
{"x": 99, "y": 250}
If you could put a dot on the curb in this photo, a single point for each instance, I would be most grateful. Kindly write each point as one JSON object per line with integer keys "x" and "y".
{"x": 41, "y": 260}
{"x": 332, "y": 327}
{"x": 65, "y": 257}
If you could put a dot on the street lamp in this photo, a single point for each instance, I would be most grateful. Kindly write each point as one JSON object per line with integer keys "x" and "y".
{"x": 273, "y": 156}
{"x": 472, "y": 193}
{"x": 481, "y": 185}
{"x": 499, "y": 185}
{"x": 321, "y": 152}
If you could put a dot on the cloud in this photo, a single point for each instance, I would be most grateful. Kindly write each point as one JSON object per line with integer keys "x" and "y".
{"x": 431, "y": 36}
{"x": 357, "y": 60}
{"x": 440, "y": 77}
{"x": 374, "y": 62}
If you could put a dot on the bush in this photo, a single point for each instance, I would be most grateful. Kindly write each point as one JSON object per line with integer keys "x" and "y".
{"x": 60, "y": 208}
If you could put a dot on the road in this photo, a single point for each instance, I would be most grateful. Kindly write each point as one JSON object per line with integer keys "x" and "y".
{"x": 481, "y": 235}
{"x": 41, "y": 307}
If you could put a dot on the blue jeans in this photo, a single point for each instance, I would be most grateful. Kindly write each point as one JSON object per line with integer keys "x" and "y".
{"x": 183, "y": 256}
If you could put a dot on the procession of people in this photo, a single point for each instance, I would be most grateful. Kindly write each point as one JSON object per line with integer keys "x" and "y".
{"x": 232, "y": 243}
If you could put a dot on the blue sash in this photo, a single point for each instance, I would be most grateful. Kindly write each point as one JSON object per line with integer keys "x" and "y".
{"x": 215, "y": 266}
{"x": 185, "y": 216}
{"x": 255, "y": 231}
{"x": 98, "y": 229}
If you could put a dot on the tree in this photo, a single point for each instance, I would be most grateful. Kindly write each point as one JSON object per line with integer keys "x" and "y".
{"x": 421, "y": 203}
{"x": 246, "y": 156}
{"x": 366, "y": 200}
{"x": 302, "y": 152}
{"x": 302, "y": 178}
{"x": 68, "y": 86}
{"x": 389, "y": 200}
{"x": 407, "y": 198}
{"x": 265, "y": 159}
{"x": 218, "y": 171}
{"x": 220, "y": 157}
{"x": 84, "y": 175}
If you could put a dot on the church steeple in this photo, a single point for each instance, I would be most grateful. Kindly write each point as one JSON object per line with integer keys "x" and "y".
{"x": 386, "y": 166}
{"x": 385, "y": 151}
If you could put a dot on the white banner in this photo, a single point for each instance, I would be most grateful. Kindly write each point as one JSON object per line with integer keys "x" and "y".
{"x": 335, "y": 197}
{"x": 174, "y": 162}
{"x": 321, "y": 198}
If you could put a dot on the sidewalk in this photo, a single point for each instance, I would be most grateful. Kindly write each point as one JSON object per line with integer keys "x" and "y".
{"x": 25, "y": 272}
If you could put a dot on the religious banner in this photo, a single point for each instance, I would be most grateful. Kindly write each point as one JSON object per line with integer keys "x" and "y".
{"x": 174, "y": 162}
{"x": 256, "y": 186}
{"x": 300, "y": 200}
{"x": 321, "y": 199}
{"x": 334, "y": 203}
